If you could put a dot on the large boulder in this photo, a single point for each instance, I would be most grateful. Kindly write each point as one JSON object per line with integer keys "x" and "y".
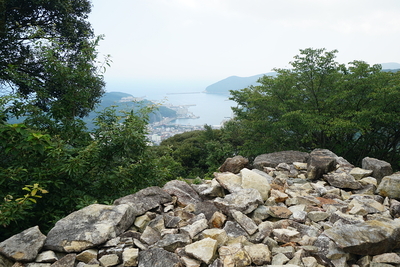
{"x": 320, "y": 162}
{"x": 24, "y": 246}
{"x": 379, "y": 168}
{"x": 366, "y": 238}
{"x": 390, "y": 186}
{"x": 145, "y": 200}
{"x": 183, "y": 191}
{"x": 234, "y": 165}
{"x": 254, "y": 180}
{"x": 273, "y": 159}
{"x": 89, "y": 227}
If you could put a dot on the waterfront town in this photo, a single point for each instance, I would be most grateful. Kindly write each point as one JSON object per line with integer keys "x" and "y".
{"x": 168, "y": 127}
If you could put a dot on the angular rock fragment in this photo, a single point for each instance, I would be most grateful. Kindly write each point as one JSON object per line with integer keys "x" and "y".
{"x": 145, "y": 199}
{"x": 245, "y": 200}
{"x": 234, "y": 255}
{"x": 390, "y": 186}
{"x": 320, "y": 162}
{"x": 203, "y": 250}
{"x": 88, "y": 227}
{"x": 234, "y": 165}
{"x": 171, "y": 242}
{"x": 253, "y": 180}
{"x": 229, "y": 181}
{"x": 184, "y": 192}
{"x": 273, "y": 159}
{"x": 157, "y": 257}
{"x": 24, "y": 246}
{"x": 366, "y": 238}
{"x": 67, "y": 261}
{"x": 130, "y": 257}
{"x": 342, "y": 180}
{"x": 245, "y": 222}
{"x": 379, "y": 168}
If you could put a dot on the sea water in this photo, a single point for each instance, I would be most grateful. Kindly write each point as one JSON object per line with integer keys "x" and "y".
{"x": 210, "y": 109}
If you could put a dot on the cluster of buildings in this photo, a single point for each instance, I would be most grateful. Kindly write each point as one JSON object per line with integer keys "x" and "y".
{"x": 159, "y": 132}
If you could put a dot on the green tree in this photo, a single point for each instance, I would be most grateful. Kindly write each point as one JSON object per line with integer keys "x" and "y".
{"x": 200, "y": 152}
{"x": 48, "y": 61}
{"x": 350, "y": 109}
{"x": 116, "y": 162}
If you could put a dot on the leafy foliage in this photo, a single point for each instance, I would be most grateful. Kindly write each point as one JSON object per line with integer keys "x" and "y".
{"x": 321, "y": 103}
{"x": 48, "y": 59}
{"x": 200, "y": 153}
{"x": 117, "y": 161}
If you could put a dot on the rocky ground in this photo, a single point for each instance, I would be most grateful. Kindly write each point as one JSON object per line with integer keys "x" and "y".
{"x": 286, "y": 209}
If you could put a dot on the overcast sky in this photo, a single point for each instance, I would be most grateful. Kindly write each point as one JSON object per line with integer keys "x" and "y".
{"x": 204, "y": 41}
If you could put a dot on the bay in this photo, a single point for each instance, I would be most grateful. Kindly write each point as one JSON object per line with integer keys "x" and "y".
{"x": 211, "y": 109}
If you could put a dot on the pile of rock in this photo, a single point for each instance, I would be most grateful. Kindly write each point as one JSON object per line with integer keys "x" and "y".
{"x": 292, "y": 209}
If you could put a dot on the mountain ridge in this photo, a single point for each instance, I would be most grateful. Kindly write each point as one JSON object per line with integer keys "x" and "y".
{"x": 236, "y": 83}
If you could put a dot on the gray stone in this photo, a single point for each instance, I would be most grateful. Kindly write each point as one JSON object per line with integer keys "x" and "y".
{"x": 244, "y": 221}
{"x": 273, "y": 159}
{"x": 196, "y": 227}
{"x": 245, "y": 200}
{"x": 279, "y": 259}
{"x": 145, "y": 200}
{"x": 253, "y": 180}
{"x": 87, "y": 255}
{"x": 364, "y": 206}
{"x": 317, "y": 216}
{"x": 209, "y": 189}
{"x": 150, "y": 236}
{"x": 392, "y": 258}
{"x": 390, "y": 186}
{"x": 183, "y": 191}
{"x": 309, "y": 262}
{"x": 320, "y": 162}
{"x": 359, "y": 173}
{"x": 342, "y": 180}
{"x": 233, "y": 229}
{"x": 157, "y": 257}
{"x": 234, "y": 255}
{"x": 66, "y": 261}
{"x": 109, "y": 260}
{"x": 395, "y": 208}
{"x": 130, "y": 257}
{"x": 203, "y": 250}
{"x": 286, "y": 235}
{"x": 24, "y": 246}
{"x": 208, "y": 208}
{"x": 366, "y": 238}
{"x": 259, "y": 254}
{"x": 88, "y": 227}
{"x": 288, "y": 251}
{"x": 229, "y": 181}
{"x": 46, "y": 256}
{"x": 379, "y": 168}
{"x": 171, "y": 242}
{"x": 234, "y": 165}
{"x": 217, "y": 234}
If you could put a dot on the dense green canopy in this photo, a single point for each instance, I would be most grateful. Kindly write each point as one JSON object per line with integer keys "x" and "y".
{"x": 47, "y": 56}
{"x": 350, "y": 109}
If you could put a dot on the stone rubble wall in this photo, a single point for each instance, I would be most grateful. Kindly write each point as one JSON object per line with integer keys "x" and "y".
{"x": 292, "y": 209}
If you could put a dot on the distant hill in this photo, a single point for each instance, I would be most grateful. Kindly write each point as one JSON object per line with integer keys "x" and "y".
{"x": 124, "y": 101}
{"x": 234, "y": 83}
{"x": 237, "y": 83}
{"x": 390, "y": 66}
